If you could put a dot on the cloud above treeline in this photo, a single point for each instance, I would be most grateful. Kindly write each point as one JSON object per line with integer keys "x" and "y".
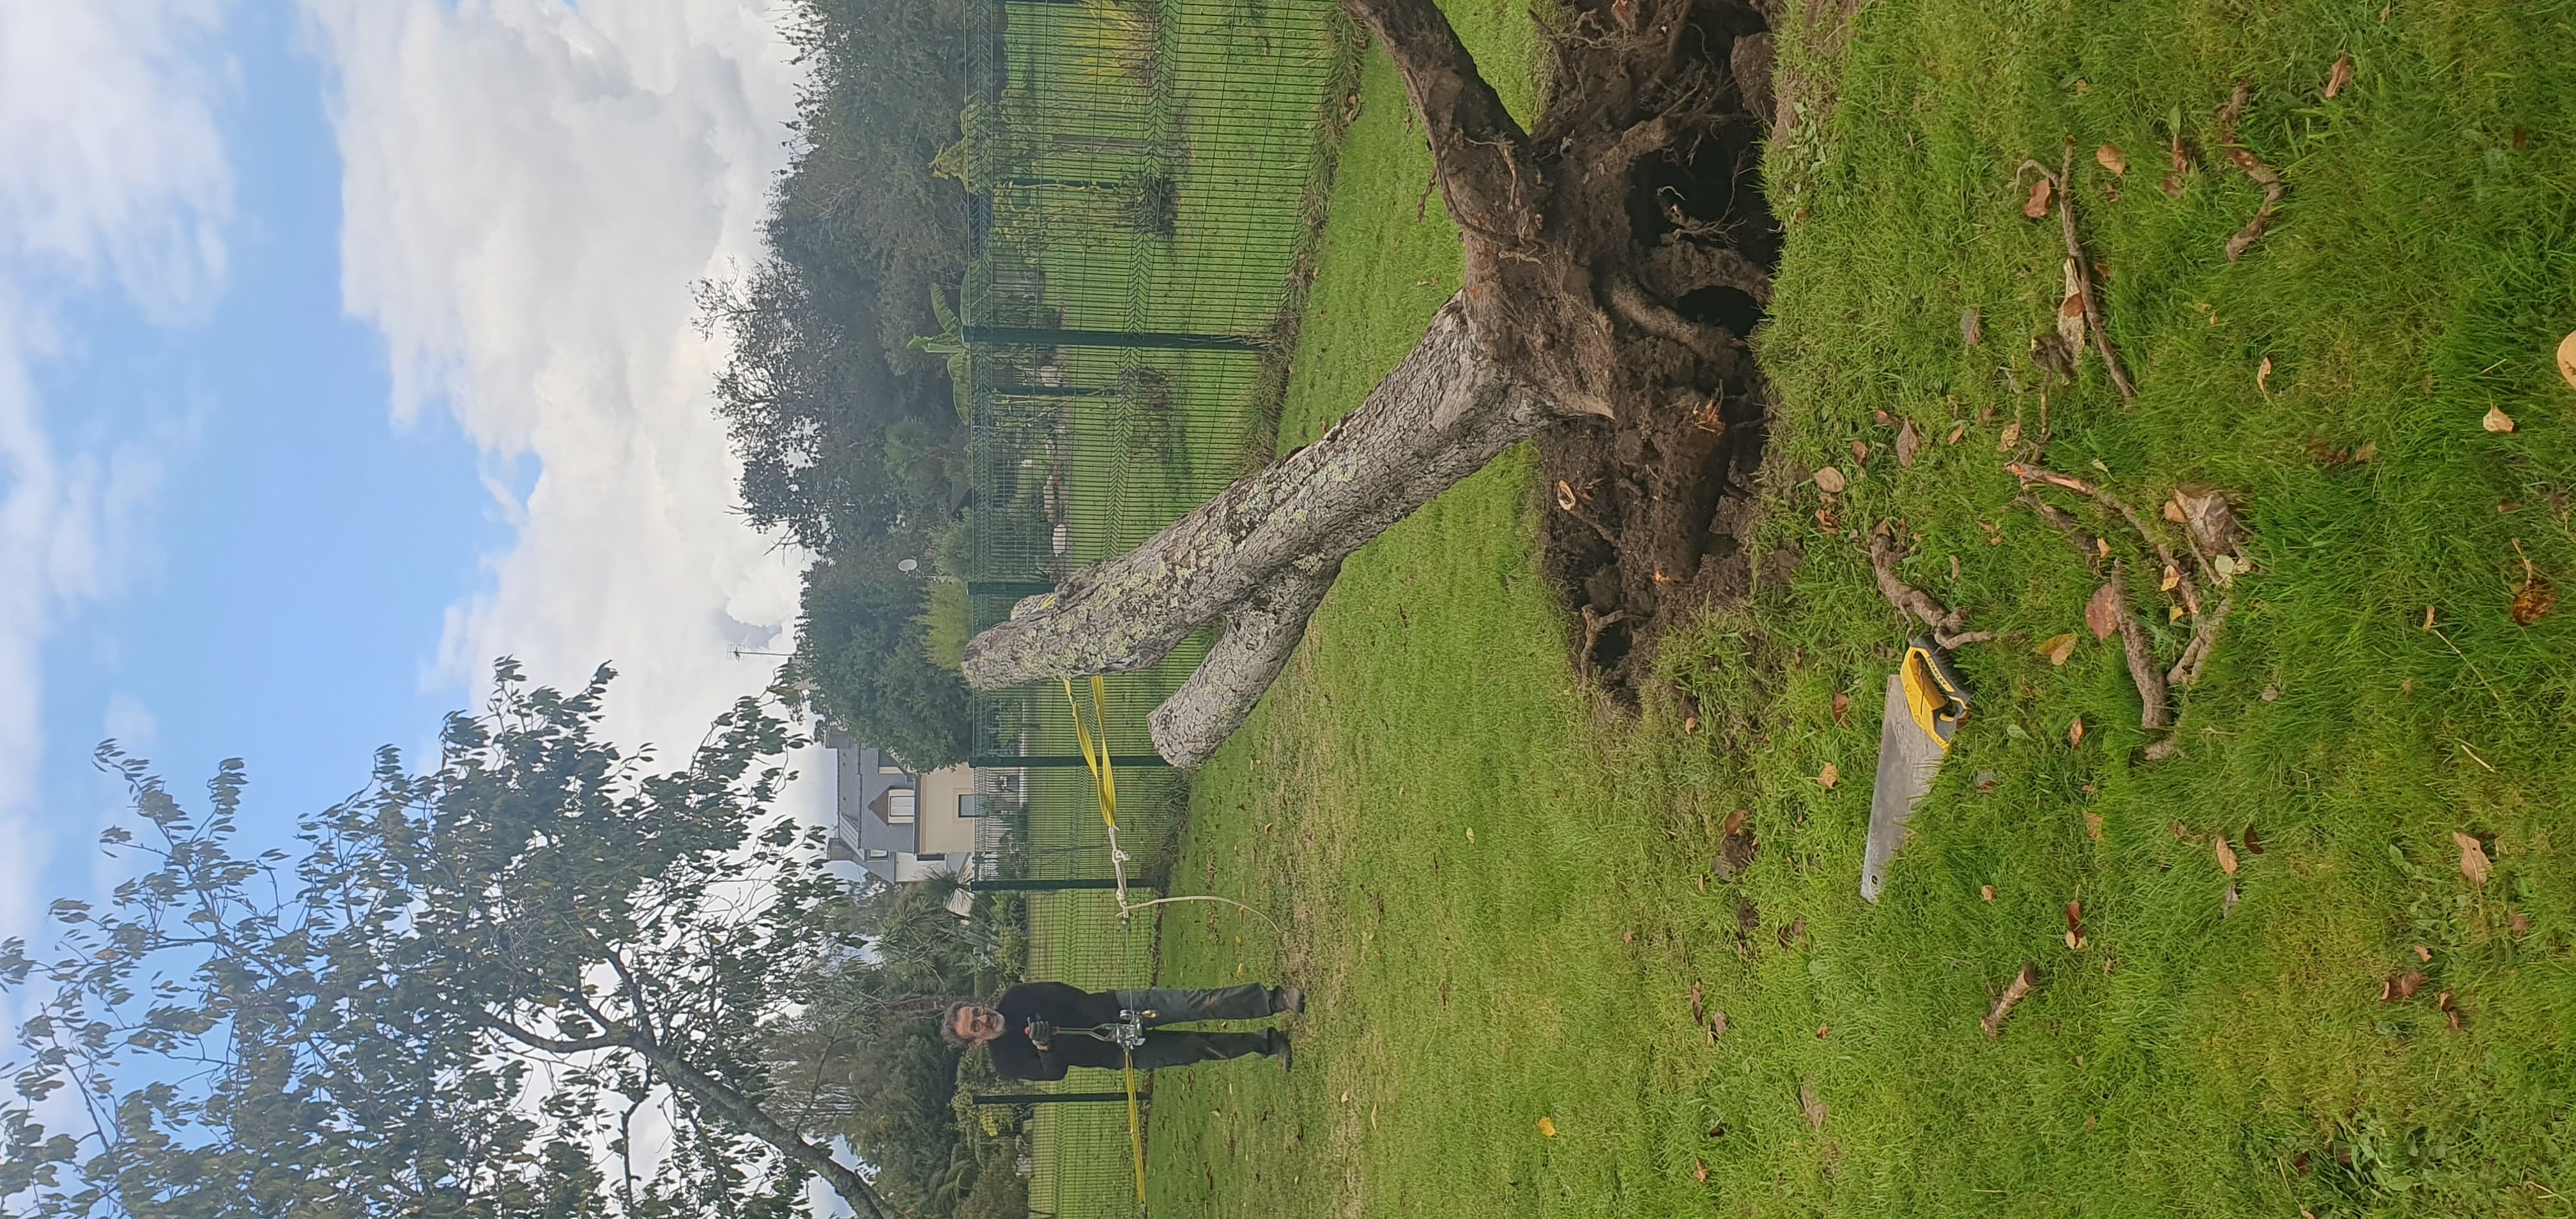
{"x": 531, "y": 189}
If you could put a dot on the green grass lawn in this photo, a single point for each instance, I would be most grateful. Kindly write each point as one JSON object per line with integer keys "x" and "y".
{"x": 1497, "y": 894}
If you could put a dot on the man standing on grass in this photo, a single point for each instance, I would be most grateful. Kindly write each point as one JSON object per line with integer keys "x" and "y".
{"x": 1037, "y": 1029}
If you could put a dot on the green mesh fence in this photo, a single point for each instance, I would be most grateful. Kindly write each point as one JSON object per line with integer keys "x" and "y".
{"x": 1146, "y": 174}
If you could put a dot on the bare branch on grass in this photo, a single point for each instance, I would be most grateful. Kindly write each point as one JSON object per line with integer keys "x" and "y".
{"x": 2010, "y": 999}
{"x": 2264, "y": 175}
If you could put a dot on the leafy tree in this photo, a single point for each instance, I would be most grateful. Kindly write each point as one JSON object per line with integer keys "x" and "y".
{"x": 861, "y": 645}
{"x": 843, "y": 428}
{"x": 864, "y": 1060}
{"x": 460, "y": 1001}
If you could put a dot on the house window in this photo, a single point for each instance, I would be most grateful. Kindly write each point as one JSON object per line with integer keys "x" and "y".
{"x": 899, "y": 806}
{"x": 966, "y": 805}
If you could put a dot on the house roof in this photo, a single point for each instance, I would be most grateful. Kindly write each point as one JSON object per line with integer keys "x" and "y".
{"x": 861, "y": 782}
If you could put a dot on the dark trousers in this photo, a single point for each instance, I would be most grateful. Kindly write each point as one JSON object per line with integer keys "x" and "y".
{"x": 1178, "y": 1047}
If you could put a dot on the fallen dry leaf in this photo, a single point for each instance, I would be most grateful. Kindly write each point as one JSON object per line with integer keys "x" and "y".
{"x": 1735, "y": 821}
{"x": 2253, "y": 843}
{"x": 2075, "y": 736}
{"x": 1956, "y": 431}
{"x": 1954, "y": 567}
{"x": 1811, "y": 1104}
{"x": 2402, "y": 987}
{"x": 2075, "y": 924}
{"x": 2010, "y": 438}
{"x": 1564, "y": 495}
{"x": 2070, "y": 317}
{"x": 1987, "y": 892}
{"x": 2423, "y": 954}
{"x": 1699, "y": 1012}
{"x": 2496, "y": 420}
{"x": 2209, "y": 517}
{"x": 2173, "y": 512}
{"x": 2340, "y": 76}
{"x": 2102, "y": 613}
{"x": 1842, "y": 708}
{"x": 2111, "y": 158}
{"x": 2092, "y": 821}
{"x": 1829, "y": 776}
{"x": 2450, "y": 1012}
{"x": 1831, "y": 481}
{"x": 2567, "y": 358}
{"x": 1546, "y": 1128}
{"x": 2263, "y": 377}
{"x": 1909, "y": 444}
{"x": 2226, "y": 856}
{"x": 1690, "y": 725}
{"x": 2037, "y": 206}
{"x": 1699, "y": 1170}
{"x": 1972, "y": 329}
{"x": 2058, "y": 647}
{"x": 2473, "y": 857}
{"x": 2535, "y": 598}
{"x": 2519, "y": 923}
{"x": 1823, "y": 1029}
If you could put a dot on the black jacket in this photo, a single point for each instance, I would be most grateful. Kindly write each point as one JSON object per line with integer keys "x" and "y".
{"x": 1065, "y": 1007}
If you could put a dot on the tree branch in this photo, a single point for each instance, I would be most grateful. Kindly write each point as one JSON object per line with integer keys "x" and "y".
{"x": 1260, "y": 636}
{"x": 756, "y": 1122}
{"x": 1488, "y": 179}
{"x": 614, "y": 1038}
{"x": 1440, "y": 416}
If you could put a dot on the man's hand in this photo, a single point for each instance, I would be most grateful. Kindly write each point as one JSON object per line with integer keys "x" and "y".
{"x": 1041, "y": 1034}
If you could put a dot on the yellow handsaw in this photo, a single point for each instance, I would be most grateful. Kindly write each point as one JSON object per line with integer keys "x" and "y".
{"x": 1925, "y": 702}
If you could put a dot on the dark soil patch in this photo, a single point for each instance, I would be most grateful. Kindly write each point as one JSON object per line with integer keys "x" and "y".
{"x": 1650, "y": 514}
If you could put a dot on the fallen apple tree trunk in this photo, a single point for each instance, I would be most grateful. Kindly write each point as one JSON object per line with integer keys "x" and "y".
{"x": 1445, "y": 412}
{"x": 1568, "y": 310}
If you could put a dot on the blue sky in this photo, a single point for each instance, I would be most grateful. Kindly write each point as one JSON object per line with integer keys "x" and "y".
{"x": 283, "y": 600}
{"x": 344, "y": 345}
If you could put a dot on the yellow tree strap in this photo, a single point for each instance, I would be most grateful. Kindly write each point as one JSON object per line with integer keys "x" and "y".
{"x": 1135, "y": 1130}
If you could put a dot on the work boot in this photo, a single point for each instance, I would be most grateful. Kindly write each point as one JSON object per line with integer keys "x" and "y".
{"x": 1279, "y": 1049}
{"x": 1287, "y": 999}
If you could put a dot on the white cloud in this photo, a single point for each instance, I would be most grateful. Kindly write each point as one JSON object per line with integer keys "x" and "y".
{"x": 116, "y": 180}
{"x": 531, "y": 188}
